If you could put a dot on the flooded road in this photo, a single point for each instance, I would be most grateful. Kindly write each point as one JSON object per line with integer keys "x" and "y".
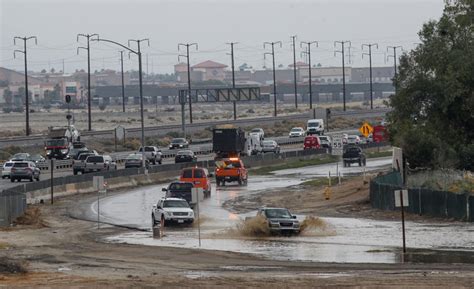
{"x": 344, "y": 240}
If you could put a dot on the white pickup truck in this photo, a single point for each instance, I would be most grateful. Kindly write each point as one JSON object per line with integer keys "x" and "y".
{"x": 152, "y": 154}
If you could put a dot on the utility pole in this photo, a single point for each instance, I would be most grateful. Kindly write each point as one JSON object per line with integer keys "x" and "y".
{"x": 294, "y": 70}
{"x": 370, "y": 69}
{"x": 89, "y": 37}
{"x": 233, "y": 75}
{"x": 123, "y": 83}
{"x": 187, "y": 45}
{"x": 140, "y": 80}
{"x": 343, "y": 69}
{"x": 27, "y": 98}
{"x": 308, "y": 45}
{"x": 394, "y": 64}
{"x": 274, "y": 75}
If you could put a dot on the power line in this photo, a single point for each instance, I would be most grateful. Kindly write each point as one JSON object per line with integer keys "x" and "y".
{"x": 27, "y": 101}
{"x": 274, "y": 76}
{"x": 343, "y": 69}
{"x": 370, "y": 68}
{"x": 88, "y": 37}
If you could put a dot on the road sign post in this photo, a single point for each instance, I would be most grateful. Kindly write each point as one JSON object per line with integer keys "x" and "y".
{"x": 52, "y": 180}
{"x": 337, "y": 145}
{"x": 198, "y": 193}
{"x": 98, "y": 184}
{"x": 401, "y": 200}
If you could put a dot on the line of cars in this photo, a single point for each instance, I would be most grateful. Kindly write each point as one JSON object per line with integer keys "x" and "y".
{"x": 22, "y": 166}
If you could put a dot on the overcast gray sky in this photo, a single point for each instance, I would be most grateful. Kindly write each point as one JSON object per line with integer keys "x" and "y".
{"x": 209, "y": 23}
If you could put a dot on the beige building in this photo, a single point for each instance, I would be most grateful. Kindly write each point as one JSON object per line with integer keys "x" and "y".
{"x": 210, "y": 70}
{"x": 325, "y": 74}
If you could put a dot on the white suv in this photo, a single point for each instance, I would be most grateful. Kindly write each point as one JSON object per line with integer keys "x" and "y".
{"x": 172, "y": 210}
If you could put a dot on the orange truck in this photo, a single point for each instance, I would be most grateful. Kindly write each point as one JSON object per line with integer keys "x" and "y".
{"x": 231, "y": 170}
{"x": 228, "y": 143}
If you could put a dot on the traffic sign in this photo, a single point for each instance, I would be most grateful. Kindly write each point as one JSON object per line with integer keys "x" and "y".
{"x": 398, "y": 198}
{"x": 366, "y": 129}
{"x": 337, "y": 144}
{"x": 98, "y": 182}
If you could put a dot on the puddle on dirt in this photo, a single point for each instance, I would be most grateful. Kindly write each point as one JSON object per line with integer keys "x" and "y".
{"x": 342, "y": 240}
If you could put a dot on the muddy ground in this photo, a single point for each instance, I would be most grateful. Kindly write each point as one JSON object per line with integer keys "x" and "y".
{"x": 61, "y": 252}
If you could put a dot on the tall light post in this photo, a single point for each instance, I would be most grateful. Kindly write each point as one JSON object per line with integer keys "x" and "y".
{"x": 140, "y": 80}
{"x": 343, "y": 69}
{"x": 294, "y": 70}
{"x": 308, "y": 51}
{"x": 187, "y": 45}
{"x": 89, "y": 37}
{"x": 394, "y": 63}
{"x": 272, "y": 44}
{"x": 123, "y": 83}
{"x": 370, "y": 69}
{"x": 233, "y": 74}
{"x": 27, "y": 98}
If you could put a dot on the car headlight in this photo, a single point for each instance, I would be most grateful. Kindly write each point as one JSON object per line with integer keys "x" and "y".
{"x": 180, "y": 145}
{"x": 64, "y": 151}
{"x": 168, "y": 214}
{"x": 191, "y": 214}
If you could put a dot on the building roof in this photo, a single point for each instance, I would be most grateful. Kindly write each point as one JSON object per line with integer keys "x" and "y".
{"x": 209, "y": 64}
{"x": 299, "y": 64}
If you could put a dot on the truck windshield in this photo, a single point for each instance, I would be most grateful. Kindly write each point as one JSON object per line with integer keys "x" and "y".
{"x": 277, "y": 213}
{"x": 175, "y": 204}
{"x": 313, "y": 124}
{"x": 56, "y": 142}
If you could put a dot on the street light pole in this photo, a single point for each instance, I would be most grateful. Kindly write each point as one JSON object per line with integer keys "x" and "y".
{"x": 140, "y": 80}
{"x": 274, "y": 75}
{"x": 187, "y": 45}
{"x": 233, "y": 75}
{"x": 89, "y": 37}
{"x": 123, "y": 83}
{"x": 27, "y": 97}
{"x": 394, "y": 64}
{"x": 343, "y": 69}
{"x": 310, "y": 80}
{"x": 294, "y": 70}
{"x": 370, "y": 69}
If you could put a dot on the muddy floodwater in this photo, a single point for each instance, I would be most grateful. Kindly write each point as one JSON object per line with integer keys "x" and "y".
{"x": 342, "y": 240}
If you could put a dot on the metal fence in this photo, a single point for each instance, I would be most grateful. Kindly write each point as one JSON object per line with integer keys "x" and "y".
{"x": 422, "y": 201}
{"x": 12, "y": 205}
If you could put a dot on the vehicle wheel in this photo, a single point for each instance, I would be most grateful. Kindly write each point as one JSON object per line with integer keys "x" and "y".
{"x": 154, "y": 162}
{"x": 38, "y": 179}
{"x": 360, "y": 163}
{"x": 31, "y": 179}
{"x": 3, "y": 177}
{"x": 75, "y": 172}
{"x": 12, "y": 180}
{"x": 348, "y": 164}
{"x": 159, "y": 162}
{"x": 240, "y": 182}
{"x": 223, "y": 183}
